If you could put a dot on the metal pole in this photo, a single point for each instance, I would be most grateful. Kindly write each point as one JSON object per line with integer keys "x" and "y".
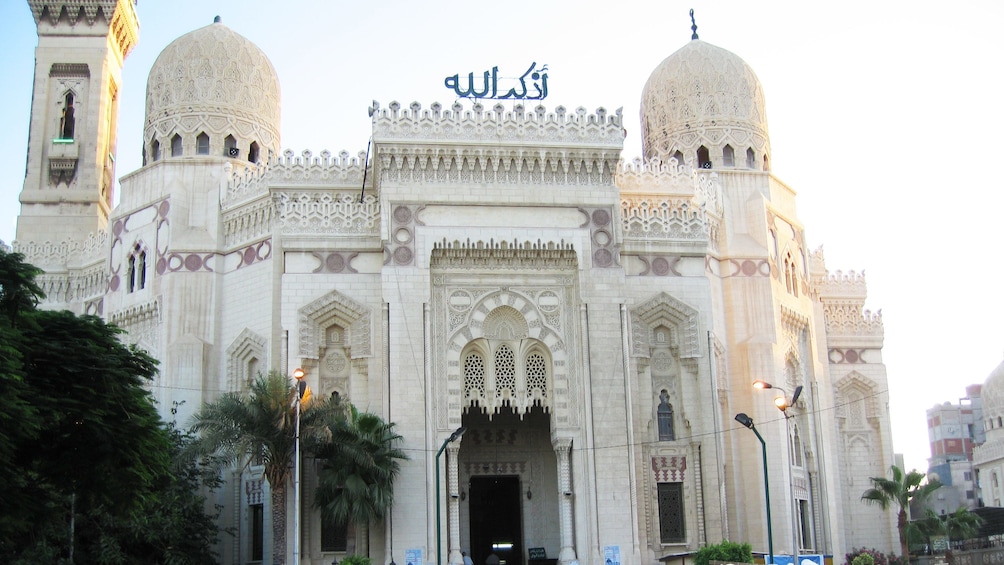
{"x": 296, "y": 485}
{"x": 791, "y": 488}
{"x": 766, "y": 494}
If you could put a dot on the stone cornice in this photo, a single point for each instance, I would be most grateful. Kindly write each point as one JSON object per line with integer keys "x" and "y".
{"x": 504, "y": 255}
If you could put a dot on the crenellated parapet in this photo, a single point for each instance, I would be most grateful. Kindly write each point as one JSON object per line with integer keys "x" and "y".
{"x": 478, "y": 126}
{"x": 118, "y": 15}
{"x": 67, "y": 252}
{"x": 74, "y": 286}
{"x": 323, "y": 170}
{"x": 496, "y": 146}
{"x": 848, "y": 318}
{"x": 326, "y": 212}
{"x": 668, "y": 201}
{"x": 839, "y": 285}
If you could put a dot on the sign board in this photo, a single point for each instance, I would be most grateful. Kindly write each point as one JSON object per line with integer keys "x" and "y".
{"x": 538, "y": 553}
{"x": 612, "y": 555}
{"x": 486, "y": 85}
{"x": 413, "y": 557}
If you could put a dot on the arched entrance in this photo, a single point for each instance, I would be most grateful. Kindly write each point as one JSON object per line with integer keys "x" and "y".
{"x": 509, "y": 499}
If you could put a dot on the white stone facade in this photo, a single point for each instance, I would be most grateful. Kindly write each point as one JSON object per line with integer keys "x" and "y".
{"x": 595, "y": 324}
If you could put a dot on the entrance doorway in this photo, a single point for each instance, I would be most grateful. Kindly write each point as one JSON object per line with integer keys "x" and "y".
{"x": 496, "y": 519}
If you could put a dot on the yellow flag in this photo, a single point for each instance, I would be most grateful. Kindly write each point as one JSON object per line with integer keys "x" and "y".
{"x": 305, "y": 399}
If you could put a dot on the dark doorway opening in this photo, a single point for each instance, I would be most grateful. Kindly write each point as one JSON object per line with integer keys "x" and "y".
{"x": 496, "y": 519}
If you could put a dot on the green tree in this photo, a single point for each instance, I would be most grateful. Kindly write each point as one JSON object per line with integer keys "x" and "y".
{"x": 962, "y": 524}
{"x": 84, "y": 454}
{"x": 258, "y": 428}
{"x": 898, "y": 492}
{"x": 359, "y": 463}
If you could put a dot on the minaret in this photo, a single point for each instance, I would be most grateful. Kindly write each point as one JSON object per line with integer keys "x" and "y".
{"x": 70, "y": 171}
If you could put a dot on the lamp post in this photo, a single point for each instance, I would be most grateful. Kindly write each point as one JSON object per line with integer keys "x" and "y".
{"x": 301, "y": 387}
{"x": 745, "y": 420}
{"x": 783, "y": 404}
{"x": 439, "y": 537}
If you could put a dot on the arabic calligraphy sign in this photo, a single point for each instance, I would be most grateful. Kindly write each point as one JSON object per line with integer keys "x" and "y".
{"x": 489, "y": 87}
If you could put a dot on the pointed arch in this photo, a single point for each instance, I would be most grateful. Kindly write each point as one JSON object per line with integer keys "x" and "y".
{"x": 332, "y": 309}
{"x": 246, "y": 357}
{"x": 679, "y": 318}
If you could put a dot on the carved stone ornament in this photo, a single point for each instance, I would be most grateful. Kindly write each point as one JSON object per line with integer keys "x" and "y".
{"x": 334, "y": 308}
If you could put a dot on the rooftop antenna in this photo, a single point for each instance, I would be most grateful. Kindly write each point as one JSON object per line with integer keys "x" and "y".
{"x": 693, "y": 26}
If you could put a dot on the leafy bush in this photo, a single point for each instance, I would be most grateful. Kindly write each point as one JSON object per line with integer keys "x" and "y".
{"x": 355, "y": 560}
{"x": 731, "y": 552}
{"x": 863, "y": 559}
{"x": 878, "y": 558}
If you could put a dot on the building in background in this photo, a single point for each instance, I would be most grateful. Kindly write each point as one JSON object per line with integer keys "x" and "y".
{"x": 954, "y": 431}
{"x": 595, "y": 324}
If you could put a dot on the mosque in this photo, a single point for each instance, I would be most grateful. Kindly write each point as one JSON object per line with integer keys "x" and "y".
{"x": 594, "y": 324}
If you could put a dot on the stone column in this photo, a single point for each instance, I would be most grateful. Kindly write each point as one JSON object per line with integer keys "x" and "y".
{"x": 562, "y": 450}
{"x": 453, "y": 503}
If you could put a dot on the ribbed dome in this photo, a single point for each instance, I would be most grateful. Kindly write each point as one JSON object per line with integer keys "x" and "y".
{"x": 704, "y": 95}
{"x": 993, "y": 399}
{"x": 217, "y": 82}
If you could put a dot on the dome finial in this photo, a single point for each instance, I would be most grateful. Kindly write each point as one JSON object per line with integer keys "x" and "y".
{"x": 693, "y": 25}
{"x": 218, "y": 19}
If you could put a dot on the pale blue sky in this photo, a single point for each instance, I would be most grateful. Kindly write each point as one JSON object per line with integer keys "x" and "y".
{"x": 883, "y": 116}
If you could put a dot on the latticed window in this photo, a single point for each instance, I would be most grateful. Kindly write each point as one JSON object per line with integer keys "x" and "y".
{"x": 536, "y": 375}
{"x": 334, "y": 535}
{"x": 665, "y": 417}
{"x": 672, "y": 520}
{"x": 505, "y": 371}
{"x": 474, "y": 376}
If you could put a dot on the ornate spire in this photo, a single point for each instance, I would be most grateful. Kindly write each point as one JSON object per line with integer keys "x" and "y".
{"x": 693, "y": 26}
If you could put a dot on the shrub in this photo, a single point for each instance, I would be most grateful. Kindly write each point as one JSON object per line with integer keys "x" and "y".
{"x": 731, "y": 552}
{"x": 355, "y": 560}
{"x": 863, "y": 559}
{"x": 878, "y": 558}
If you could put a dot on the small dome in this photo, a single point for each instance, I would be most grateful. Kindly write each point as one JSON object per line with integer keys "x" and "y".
{"x": 993, "y": 399}
{"x": 705, "y": 96}
{"x": 214, "y": 83}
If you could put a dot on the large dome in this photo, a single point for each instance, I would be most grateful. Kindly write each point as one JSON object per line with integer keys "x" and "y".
{"x": 214, "y": 83}
{"x": 703, "y": 95}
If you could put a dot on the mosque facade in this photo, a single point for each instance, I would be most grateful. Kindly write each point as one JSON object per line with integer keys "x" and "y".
{"x": 595, "y": 325}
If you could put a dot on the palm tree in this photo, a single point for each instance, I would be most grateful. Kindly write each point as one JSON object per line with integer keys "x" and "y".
{"x": 900, "y": 491}
{"x": 258, "y": 428}
{"x": 359, "y": 463}
{"x": 962, "y": 524}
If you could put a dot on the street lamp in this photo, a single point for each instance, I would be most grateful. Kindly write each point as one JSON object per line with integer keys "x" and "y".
{"x": 301, "y": 388}
{"x": 439, "y": 538}
{"x": 782, "y": 404}
{"x": 745, "y": 420}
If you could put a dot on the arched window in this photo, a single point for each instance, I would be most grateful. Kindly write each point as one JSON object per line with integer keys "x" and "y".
{"x": 790, "y": 275}
{"x": 202, "y": 144}
{"x": 474, "y": 376}
{"x": 728, "y": 156}
{"x": 137, "y": 269}
{"x": 796, "y": 446}
{"x": 176, "y": 150}
{"x": 766, "y": 164}
{"x": 66, "y": 124}
{"x": 505, "y": 372}
{"x": 155, "y": 150}
{"x": 536, "y": 377}
{"x": 253, "y": 152}
{"x": 703, "y": 158}
{"x": 679, "y": 158}
{"x": 750, "y": 158}
{"x": 665, "y": 418}
{"x": 230, "y": 147}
